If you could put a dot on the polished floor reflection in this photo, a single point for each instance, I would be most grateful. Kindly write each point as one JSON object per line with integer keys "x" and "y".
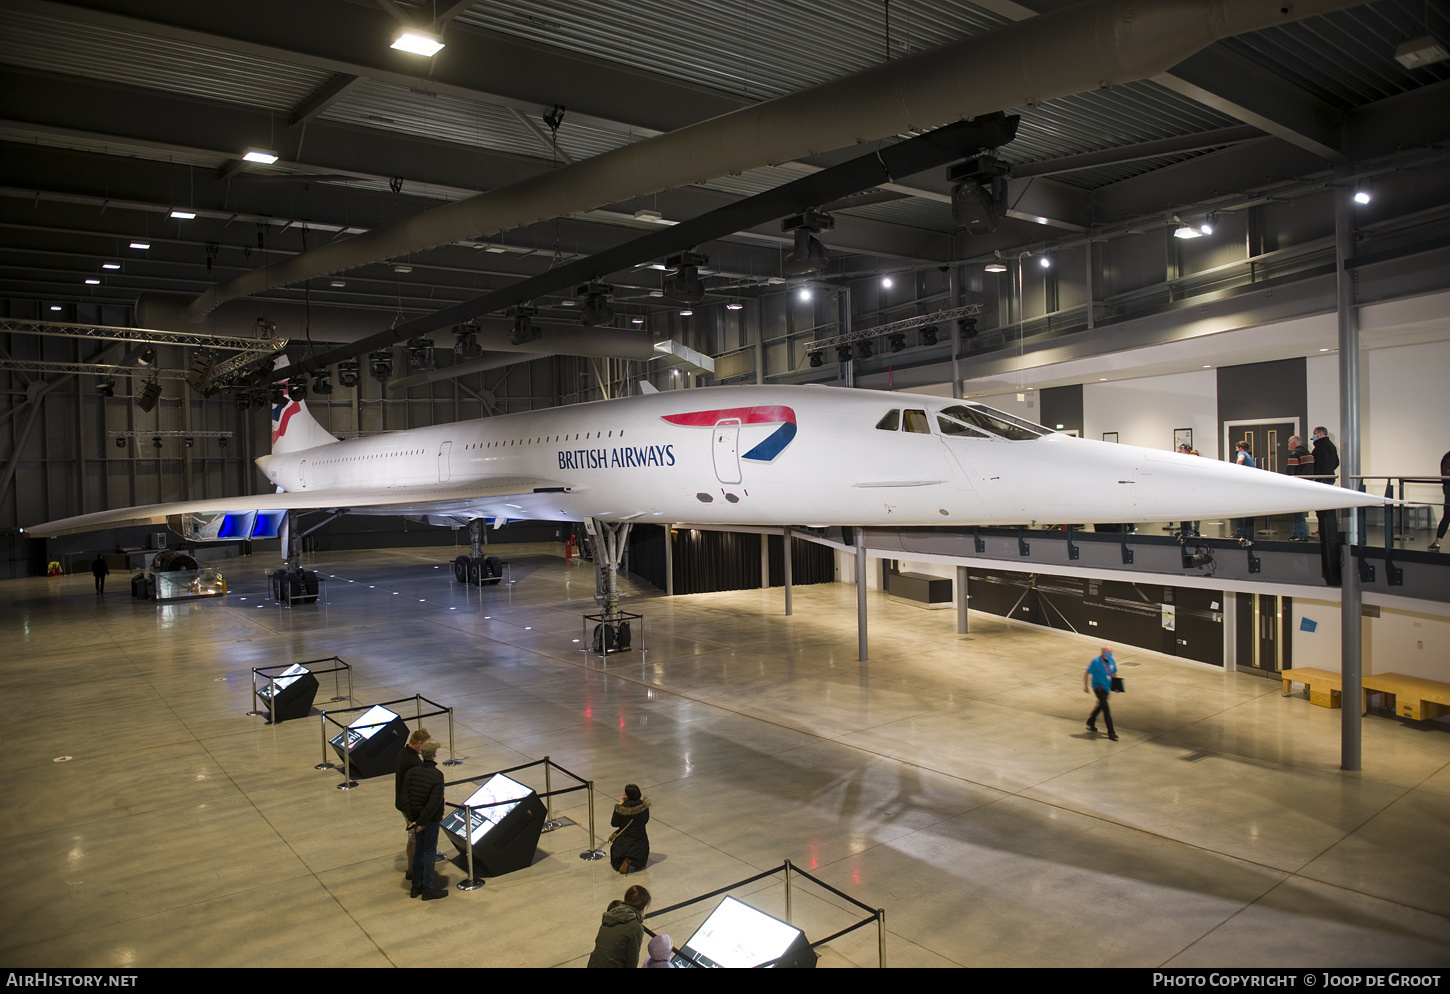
{"x": 950, "y": 781}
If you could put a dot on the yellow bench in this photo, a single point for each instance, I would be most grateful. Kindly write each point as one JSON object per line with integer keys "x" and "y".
{"x": 1324, "y": 687}
{"x": 1415, "y": 698}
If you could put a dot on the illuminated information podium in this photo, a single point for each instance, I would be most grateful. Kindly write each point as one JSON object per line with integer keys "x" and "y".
{"x": 369, "y": 746}
{"x": 503, "y": 836}
{"x": 738, "y": 936}
{"x": 289, "y": 694}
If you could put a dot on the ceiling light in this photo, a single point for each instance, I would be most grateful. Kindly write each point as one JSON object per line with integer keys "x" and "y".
{"x": 886, "y": 282}
{"x": 656, "y": 293}
{"x": 417, "y": 42}
{"x": 402, "y": 268}
{"x": 1361, "y": 196}
{"x": 1206, "y": 227}
{"x": 141, "y": 245}
{"x": 1420, "y": 51}
{"x": 686, "y": 313}
{"x": 1184, "y": 231}
{"x": 338, "y": 283}
{"x": 110, "y": 265}
{"x": 93, "y": 282}
{"x": 495, "y": 249}
{"x": 181, "y": 215}
{"x": 805, "y": 294}
{"x": 995, "y": 267}
{"x": 260, "y": 155}
{"x": 1045, "y": 261}
{"x": 55, "y": 307}
{"x": 733, "y": 307}
{"x": 636, "y": 320}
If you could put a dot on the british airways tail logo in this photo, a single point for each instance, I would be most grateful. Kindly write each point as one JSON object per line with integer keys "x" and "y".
{"x": 281, "y": 414}
{"x": 767, "y": 450}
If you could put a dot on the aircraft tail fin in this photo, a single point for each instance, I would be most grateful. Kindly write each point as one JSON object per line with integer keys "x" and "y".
{"x": 294, "y": 428}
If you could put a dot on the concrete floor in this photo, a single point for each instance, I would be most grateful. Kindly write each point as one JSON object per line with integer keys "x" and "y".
{"x": 949, "y": 781}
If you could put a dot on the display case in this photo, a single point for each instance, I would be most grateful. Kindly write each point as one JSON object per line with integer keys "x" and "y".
{"x": 503, "y": 835}
{"x": 289, "y": 694}
{"x": 369, "y": 745}
{"x": 739, "y": 936}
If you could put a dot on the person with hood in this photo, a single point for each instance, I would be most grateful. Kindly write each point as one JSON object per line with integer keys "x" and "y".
{"x": 629, "y": 846}
{"x": 621, "y": 932}
{"x": 661, "y": 952}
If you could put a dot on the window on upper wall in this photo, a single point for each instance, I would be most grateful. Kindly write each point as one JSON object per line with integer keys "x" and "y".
{"x": 917, "y": 422}
{"x": 891, "y": 421}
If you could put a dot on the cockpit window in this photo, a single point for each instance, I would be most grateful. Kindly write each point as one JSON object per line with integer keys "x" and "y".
{"x": 1002, "y": 425}
{"x": 950, "y": 427}
{"x": 891, "y": 422}
{"x": 917, "y": 422}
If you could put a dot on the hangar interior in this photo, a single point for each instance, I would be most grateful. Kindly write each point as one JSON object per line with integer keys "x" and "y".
{"x": 1302, "y": 157}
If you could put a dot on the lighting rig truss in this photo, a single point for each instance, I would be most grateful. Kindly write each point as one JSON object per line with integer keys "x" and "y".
{"x": 252, "y": 353}
{"x": 897, "y": 327}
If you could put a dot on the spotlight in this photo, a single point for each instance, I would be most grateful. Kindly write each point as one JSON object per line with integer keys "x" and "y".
{"x": 277, "y": 393}
{"x": 808, "y": 254}
{"x": 191, "y": 443}
{"x": 1207, "y": 226}
{"x": 466, "y": 346}
{"x": 843, "y": 353}
{"x": 1197, "y": 559}
{"x": 1183, "y": 231}
{"x": 928, "y": 334}
{"x": 969, "y": 327}
{"x": 107, "y": 388}
{"x": 1361, "y": 196}
{"x": 322, "y": 382}
{"x": 265, "y": 156}
{"x": 221, "y": 443}
{"x": 1045, "y": 261}
{"x": 896, "y": 342}
{"x": 148, "y": 358}
{"x": 886, "y": 282}
{"x": 863, "y": 350}
{"x": 524, "y": 331}
{"x": 156, "y": 442}
{"x": 995, "y": 267}
{"x": 420, "y": 353}
{"x": 120, "y": 443}
{"x": 979, "y": 193}
{"x": 243, "y": 401}
{"x": 297, "y": 388}
{"x": 596, "y": 310}
{"x": 348, "y": 373}
{"x": 684, "y": 284}
{"x": 817, "y": 358}
{"x": 380, "y": 364}
{"x": 150, "y": 394}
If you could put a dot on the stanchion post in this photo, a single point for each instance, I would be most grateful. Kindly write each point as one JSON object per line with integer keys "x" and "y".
{"x": 324, "y": 765}
{"x": 591, "y": 852}
{"x": 452, "y": 759}
{"x": 471, "y": 882}
{"x": 787, "y": 891}
{"x": 548, "y": 794}
{"x": 253, "y": 701}
{"x": 881, "y": 937}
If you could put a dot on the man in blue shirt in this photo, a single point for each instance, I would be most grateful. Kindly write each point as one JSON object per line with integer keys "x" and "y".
{"x": 1098, "y": 679}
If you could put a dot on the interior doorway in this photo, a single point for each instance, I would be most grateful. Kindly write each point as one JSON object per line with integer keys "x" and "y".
{"x": 1268, "y": 441}
{"x": 1261, "y": 634}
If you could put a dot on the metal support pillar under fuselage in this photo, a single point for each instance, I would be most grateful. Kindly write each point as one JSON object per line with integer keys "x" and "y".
{"x": 1351, "y": 641}
{"x": 669, "y": 560}
{"x": 961, "y": 600}
{"x": 861, "y": 593}
{"x": 787, "y": 576}
{"x": 475, "y": 537}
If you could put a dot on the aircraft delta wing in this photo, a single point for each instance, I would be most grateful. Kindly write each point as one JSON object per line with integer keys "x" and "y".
{"x": 745, "y": 455}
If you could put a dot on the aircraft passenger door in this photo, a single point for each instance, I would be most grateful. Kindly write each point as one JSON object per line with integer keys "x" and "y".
{"x": 443, "y": 453}
{"x": 726, "y": 448}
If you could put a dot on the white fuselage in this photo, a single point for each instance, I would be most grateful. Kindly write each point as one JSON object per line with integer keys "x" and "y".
{"x": 727, "y": 455}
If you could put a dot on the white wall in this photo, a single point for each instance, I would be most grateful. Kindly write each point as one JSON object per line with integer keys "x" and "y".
{"x": 1146, "y": 411}
{"x": 1405, "y": 419}
{"x": 1398, "y": 641}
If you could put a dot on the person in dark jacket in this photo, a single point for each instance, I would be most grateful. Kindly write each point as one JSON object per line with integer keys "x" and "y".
{"x": 1326, "y": 463}
{"x": 423, "y": 791}
{"x": 621, "y": 932}
{"x": 1445, "y": 488}
{"x": 408, "y": 759}
{"x": 100, "y": 571}
{"x": 630, "y": 848}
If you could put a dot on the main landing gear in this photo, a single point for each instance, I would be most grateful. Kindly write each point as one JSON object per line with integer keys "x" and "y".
{"x": 476, "y": 568}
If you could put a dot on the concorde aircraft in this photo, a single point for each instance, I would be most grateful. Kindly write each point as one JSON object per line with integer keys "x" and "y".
{"x": 737, "y": 455}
